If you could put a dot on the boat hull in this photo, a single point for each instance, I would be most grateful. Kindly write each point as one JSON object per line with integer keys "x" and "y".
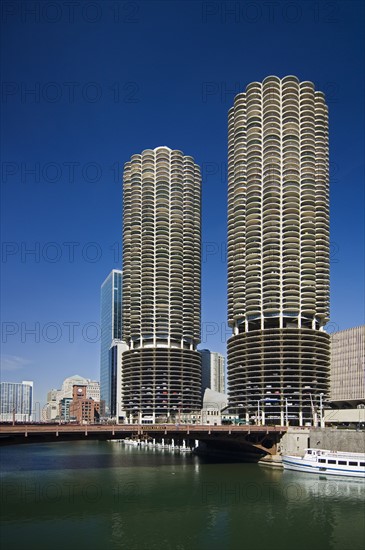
{"x": 301, "y": 465}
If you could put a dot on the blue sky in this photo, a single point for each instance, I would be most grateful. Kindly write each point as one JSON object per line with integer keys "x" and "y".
{"x": 87, "y": 86}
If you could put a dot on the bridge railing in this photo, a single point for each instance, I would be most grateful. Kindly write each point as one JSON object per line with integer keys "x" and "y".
{"x": 134, "y": 428}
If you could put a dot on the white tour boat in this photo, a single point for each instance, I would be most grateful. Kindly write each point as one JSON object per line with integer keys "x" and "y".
{"x": 320, "y": 461}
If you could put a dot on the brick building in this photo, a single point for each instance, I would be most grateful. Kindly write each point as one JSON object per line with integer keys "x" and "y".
{"x": 83, "y": 409}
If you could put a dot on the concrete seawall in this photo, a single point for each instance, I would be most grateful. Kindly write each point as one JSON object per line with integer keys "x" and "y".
{"x": 337, "y": 440}
{"x": 298, "y": 439}
{"x": 294, "y": 441}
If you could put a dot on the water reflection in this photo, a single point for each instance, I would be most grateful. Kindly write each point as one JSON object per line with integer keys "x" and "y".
{"x": 333, "y": 488}
{"x": 85, "y": 455}
{"x": 98, "y": 494}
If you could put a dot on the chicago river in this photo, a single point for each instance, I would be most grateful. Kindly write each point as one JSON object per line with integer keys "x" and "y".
{"x": 104, "y": 494}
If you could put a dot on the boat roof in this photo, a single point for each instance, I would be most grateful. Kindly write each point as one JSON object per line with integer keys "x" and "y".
{"x": 337, "y": 453}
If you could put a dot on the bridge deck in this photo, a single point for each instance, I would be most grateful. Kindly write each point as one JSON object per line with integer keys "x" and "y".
{"x": 258, "y": 439}
{"x": 125, "y": 429}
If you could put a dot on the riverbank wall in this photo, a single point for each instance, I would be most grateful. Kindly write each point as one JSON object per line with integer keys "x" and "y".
{"x": 296, "y": 440}
{"x": 333, "y": 439}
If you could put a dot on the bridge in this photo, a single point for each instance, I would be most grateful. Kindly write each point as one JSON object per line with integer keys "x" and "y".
{"x": 252, "y": 441}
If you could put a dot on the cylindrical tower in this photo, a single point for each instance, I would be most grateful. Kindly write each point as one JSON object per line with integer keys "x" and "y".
{"x": 278, "y": 251}
{"x": 161, "y": 283}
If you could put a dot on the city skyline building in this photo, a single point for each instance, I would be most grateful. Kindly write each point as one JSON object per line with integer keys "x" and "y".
{"x": 347, "y": 381}
{"x": 278, "y": 251}
{"x": 161, "y": 284}
{"x": 51, "y": 408}
{"x": 92, "y": 387}
{"x": 64, "y": 409}
{"x": 54, "y": 397}
{"x": 213, "y": 374}
{"x": 81, "y": 408}
{"x": 16, "y": 401}
{"x": 116, "y": 351}
{"x": 111, "y": 329}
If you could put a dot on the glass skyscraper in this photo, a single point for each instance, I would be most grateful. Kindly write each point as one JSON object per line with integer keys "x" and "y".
{"x": 16, "y": 401}
{"x": 111, "y": 329}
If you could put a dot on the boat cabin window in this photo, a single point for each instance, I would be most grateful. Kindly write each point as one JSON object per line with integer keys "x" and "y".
{"x": 342, "y": 462}
{"x": 362, "y": 464}
{"x": 322, "y": 460}
{"x": 331, "y": 462}
{"x": 353, "y": 464}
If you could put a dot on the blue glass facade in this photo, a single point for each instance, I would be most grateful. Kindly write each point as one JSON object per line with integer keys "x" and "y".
{"x": 111, "y": 329}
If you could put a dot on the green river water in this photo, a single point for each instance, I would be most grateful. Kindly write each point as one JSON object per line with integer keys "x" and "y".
{"x": 103, "y": 495}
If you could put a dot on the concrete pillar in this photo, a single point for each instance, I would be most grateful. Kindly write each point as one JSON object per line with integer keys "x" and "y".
{"x": 315, "y": 420}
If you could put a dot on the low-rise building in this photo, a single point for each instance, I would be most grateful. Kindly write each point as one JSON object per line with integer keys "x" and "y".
{"x": 64, "y": 409}
{"x": 213, "y": 404}
{"x": 57, "y": 400}
{"x": 92, "y": 387}
{"x": 83, "y": 409}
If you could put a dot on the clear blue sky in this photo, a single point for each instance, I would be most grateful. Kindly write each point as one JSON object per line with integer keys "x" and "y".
{"x": 113, "y": 78}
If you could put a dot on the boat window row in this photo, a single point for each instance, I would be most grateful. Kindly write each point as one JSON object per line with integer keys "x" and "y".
{"x": 341, "y": 462}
